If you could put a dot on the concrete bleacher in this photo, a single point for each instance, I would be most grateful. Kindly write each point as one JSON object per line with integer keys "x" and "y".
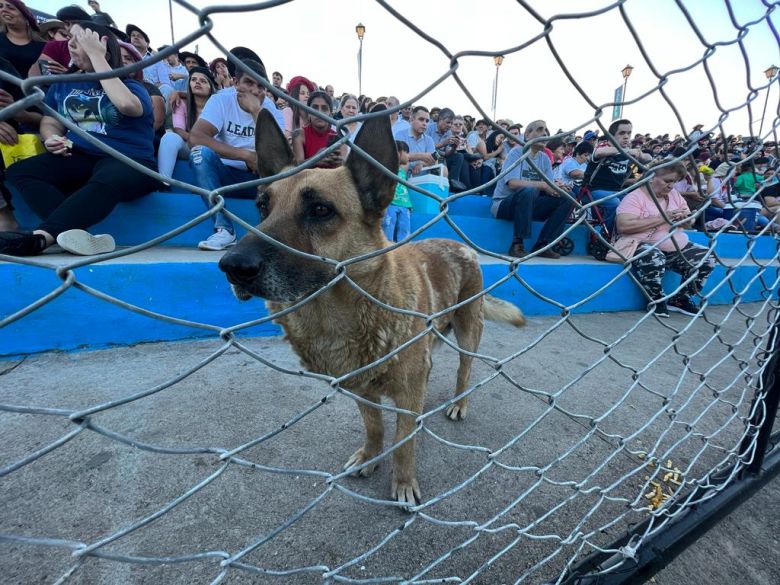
{"x": 175, "y": 279}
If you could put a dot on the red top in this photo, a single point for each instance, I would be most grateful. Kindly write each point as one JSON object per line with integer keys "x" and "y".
{"x": 313, "y": 141}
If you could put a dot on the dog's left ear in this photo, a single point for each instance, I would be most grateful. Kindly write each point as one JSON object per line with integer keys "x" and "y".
{"x": 375, "y": 137}
{"x": 273, "y": 152}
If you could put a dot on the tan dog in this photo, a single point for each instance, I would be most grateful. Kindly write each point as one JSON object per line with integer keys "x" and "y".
{"x": 337, "y": 214}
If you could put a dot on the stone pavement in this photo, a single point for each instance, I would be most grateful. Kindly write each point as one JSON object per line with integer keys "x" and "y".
{"x": 499, "y": 517}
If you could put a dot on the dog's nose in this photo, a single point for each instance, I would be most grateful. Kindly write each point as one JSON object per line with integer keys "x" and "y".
{"x": 239, "y": 266}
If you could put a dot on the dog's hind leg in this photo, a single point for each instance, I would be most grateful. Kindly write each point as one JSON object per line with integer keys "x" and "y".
{"x": 375, "y": 431}
{"x": 467, "y": 323}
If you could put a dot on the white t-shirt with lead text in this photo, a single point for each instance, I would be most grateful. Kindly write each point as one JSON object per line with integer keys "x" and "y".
{"x": 235, "y": 127}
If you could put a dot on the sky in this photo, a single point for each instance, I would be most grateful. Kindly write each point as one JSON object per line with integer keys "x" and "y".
{"x": 317, "y": 39}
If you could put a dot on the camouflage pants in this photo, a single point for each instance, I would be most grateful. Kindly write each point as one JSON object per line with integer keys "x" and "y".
{"x": 690, "y": 261}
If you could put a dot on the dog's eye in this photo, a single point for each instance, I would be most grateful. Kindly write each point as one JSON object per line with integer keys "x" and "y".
{"x": 262, "y": 207}
{"x": 320, "y": 211}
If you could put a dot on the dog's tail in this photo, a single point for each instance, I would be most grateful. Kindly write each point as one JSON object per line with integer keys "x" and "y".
{"x": 502, "y": 311}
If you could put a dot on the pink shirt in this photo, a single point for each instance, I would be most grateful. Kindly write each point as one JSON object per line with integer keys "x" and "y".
{"x": 639, "y": 203}
{"x": 179, "y": 116}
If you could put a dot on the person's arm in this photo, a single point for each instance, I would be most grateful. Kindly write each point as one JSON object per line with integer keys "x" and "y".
{"x": 51, "y": 134}
{"x": 632, "y": 224}
{"x": 517, "y": 182}
{"x": 642, "y": 157}
{"x": 158, "y": 108}
{"x": 118, "y": 93}
{"x": 8, "y": 134}
{"x": 203, "y": 133}
{"x": 604, "y": 151}
{"x": 55, "y": 67}
{"x": 424, "y": 157}
{"x": 298, "y": 142}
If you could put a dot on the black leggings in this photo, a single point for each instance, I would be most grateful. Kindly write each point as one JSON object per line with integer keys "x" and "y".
{"x": 76, "y": 191}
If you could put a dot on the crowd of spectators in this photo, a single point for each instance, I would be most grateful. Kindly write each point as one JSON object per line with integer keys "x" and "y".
{"x": 183, "y": 107}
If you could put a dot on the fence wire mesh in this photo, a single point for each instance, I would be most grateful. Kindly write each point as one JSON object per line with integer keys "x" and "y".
{"x": 604, "y": 421}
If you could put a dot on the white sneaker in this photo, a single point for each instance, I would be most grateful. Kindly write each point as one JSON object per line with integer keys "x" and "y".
{"x": 219, "y": 240}
{"x": 83, "y": 243}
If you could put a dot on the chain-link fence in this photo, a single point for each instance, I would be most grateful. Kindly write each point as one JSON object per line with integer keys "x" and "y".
{"x": 592, "y": 437}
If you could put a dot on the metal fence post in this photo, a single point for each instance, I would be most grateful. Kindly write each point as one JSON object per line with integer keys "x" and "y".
{"x": 770, "y": 384}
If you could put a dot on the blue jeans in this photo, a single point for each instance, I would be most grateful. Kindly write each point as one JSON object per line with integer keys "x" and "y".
{"x": 397, "y": 223}
{"x": 211, "y": 174}
{"x": 608, "y": 205}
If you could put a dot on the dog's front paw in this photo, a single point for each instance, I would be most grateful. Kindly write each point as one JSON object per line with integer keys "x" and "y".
{"x": 407, "y": 492}
{"x": 457, "y": 411}
{"x": 358, "y": 458}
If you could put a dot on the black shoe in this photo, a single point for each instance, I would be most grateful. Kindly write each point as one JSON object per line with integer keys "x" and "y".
{"x": 660, "y": 309}
{"x": 548, "y": 253}
{"x": 457, "y": 186}
{"x": 21, "y": 243}
{"x": 684, "y": 305}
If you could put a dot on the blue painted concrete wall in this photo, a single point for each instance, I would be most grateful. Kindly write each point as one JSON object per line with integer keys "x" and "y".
{"x": 199, "y": 292}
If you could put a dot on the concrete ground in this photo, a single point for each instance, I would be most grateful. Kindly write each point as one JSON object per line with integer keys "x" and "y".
{"x": 521, "y": 488}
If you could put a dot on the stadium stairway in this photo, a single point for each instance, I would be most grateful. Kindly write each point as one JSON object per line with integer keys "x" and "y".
{"x": 173, "y": 278}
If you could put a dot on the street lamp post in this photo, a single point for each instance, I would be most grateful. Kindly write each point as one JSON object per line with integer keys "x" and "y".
{"x": 170, "y": 15}
{"x": 360, "y": 30}
{"x": 498, "y": 59}
{"x": 770, "y": 73}
{"x": 626, "y": 71}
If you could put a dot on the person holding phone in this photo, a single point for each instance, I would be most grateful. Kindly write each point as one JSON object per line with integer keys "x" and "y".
{"x": 655, "y": 224}
{"x": 318, "y": 135}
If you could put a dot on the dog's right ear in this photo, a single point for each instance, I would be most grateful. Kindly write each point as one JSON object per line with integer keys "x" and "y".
{"x": 273, "y": 152}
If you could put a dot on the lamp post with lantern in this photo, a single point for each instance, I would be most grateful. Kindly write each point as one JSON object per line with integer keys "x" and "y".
{"x": 626, "y": 71}
{"x": 498, "y": 59}
{"x": 360, "y": 30}
{"x": 770, "y": 73}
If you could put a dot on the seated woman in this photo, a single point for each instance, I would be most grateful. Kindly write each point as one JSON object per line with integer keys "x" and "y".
{"x": 349, "y": 107}
{"x": 318, "y": 135}
{"x": 75, "y": 184}
{"x": 663, "y": 245}
{"x": 300, "y": 89}
{"x": 173, "y": 145}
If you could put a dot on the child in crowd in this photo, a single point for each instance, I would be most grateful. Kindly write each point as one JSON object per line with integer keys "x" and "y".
{"x": 397, "y": 222}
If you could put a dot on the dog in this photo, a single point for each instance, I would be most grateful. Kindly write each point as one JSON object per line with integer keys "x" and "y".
{"x": 336, "y": 214}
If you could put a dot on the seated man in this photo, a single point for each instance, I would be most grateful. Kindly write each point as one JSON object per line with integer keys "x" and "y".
{"x": 522, "y": 196}
{"x": 156, "y": 73}
{"x": 446, "y": 144}
{"x": 608, "y": 169}
{"x": 175, "y": 71}
{"x": 421, "y": 146}
{"x": 223, "y": 145}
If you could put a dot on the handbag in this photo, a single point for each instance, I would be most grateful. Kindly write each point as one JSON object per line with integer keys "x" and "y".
{"x": 625, "y": 247}
{"x": 624, "y": 250}
{"x": 28, "y": 145}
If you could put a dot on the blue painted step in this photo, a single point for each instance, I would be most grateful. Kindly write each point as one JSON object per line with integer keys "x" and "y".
{"x": 156, "y": 214}
{"x": 186, "y": 284}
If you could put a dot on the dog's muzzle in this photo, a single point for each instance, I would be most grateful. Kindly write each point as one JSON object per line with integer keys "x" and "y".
{"x": 242, "y": 271}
